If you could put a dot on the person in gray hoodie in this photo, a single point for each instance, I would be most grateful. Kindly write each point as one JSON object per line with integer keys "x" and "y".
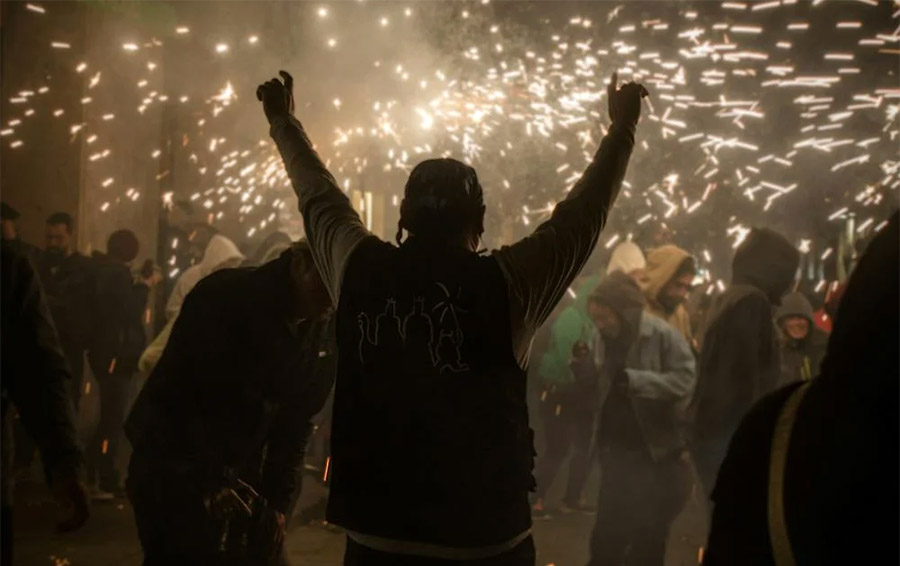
{"x": 647, "y": 379}
{"x": 802, "y": 342}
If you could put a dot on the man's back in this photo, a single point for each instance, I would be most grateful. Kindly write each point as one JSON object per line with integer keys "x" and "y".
{"x": 430, "y": 415}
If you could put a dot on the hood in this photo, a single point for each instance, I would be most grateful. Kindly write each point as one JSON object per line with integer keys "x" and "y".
{"x": 795, "y": 304}
{"x": 626, "y": 257}
{"x": 623, "y": 295}
{"x": 584, "y": 290}
{"x": 862, "y": 348}
{"x": 271, "y": 248}
{"x": 767, "y": 261}
{"x": 220, "y": 252}
{"x": 662, "y": 264}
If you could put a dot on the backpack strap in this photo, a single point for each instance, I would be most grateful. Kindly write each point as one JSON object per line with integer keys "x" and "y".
{"x": 782, "y": 551}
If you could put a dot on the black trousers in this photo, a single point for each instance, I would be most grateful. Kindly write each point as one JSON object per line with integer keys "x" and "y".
{"x": 638, "y": 501}
{"x": 103, "y": 448}
{"x": 359, "y": 555}
{"x": 172, "y": 522}
{"x": 7, "y": 450}
{"x": 571, "y": 430}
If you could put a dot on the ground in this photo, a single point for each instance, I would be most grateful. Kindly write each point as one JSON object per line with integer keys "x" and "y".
{"x": 110, "y": 539}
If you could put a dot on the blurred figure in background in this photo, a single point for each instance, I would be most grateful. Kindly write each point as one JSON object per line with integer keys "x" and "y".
{"x": 824, "y": 317}
{"x": 116, "y": 344}
{"x": 9, "y": 234}
{"x": 648, "y": 378}
{"x": 628, "y": 258}
{"x": 739, "y": 361}
{"x": 34, "y": 382}
{"x": 270, "y": 248}
{"x": 811, "y": 474}
{"x": 569, "y": 402}
{"x": 223, "y": 421}
{"x": 68, "y": 281}
{"x": 802, "y": 343}
{"x": 667, "y": 282}
{"x": 221, "y": 253}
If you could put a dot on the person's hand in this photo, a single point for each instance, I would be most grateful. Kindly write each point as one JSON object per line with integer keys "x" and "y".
{"x": 620, "y": 380}
{"x": 73, "y": 500}
{"x": 625, "y": 102}
{"x": 580, "y": 349}
{"x": 277, "y": 96}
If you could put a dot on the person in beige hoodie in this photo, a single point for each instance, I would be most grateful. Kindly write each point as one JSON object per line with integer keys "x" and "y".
{"x": 666, "y": 283}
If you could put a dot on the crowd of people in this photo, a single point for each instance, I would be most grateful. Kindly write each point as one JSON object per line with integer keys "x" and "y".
{"x": 426, "y": 345}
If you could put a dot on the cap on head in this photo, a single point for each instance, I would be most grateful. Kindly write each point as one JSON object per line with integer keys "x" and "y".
{"x": 442, "y": 198}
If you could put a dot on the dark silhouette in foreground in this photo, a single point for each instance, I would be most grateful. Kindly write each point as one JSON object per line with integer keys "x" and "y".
{"x": 811, "y": 474}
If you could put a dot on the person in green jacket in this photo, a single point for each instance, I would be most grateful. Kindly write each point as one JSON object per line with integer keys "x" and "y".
{"x": 568, "y": 406}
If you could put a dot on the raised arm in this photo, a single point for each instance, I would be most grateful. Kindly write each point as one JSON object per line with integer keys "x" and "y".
{"x": 541, "y": 267}
{"x": 332, "y": 226}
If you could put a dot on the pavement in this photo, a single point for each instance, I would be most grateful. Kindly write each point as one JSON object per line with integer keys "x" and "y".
{"x": 110, "y": 538}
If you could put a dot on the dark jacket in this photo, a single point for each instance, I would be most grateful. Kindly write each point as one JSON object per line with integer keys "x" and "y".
{"x": 119, "y": 304}
{"x": 536, "y": 271}
{"x": 238, "y": 379}
{"x": 33, "y": 368}
{"x": 69, "y": 284}
{"x": 739, "y": 360}
{"x": 429, "y": 411}
{"x": 800, "y": 359}
{"x": 840, "y": 483}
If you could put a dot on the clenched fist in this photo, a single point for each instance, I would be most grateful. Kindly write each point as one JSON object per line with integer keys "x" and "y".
{"x": 625, "y": 102}
{"x": 277, "y": 97}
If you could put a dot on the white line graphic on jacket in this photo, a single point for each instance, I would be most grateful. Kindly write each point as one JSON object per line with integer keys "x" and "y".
{"x": 428, "y": 337}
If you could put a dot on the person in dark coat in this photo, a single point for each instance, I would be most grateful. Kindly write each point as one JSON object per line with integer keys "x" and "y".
{"x": 68, "y": 281}
{"x": 115, "y": 346}
{"x": 431, "y": 449}
{"x": 34, "y": 382}
{"x": 811, "y": 473}
{"x": 739, "y": 361}
{"x": 9, "y": 234}
{"x": 802, "y": 342}
{"x": 228, "y": 406}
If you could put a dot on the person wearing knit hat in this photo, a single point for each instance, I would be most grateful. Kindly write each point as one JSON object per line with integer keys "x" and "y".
{"x": 647, "y": 378}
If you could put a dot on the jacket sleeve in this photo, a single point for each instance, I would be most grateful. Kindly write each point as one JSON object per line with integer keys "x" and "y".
{"x": 38, "y": 384}
{"x": 539, "y": 268}
{"x": 676, "y": 379}
{"x": 332, "y": 225}
{"x": 283, "y": 469}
